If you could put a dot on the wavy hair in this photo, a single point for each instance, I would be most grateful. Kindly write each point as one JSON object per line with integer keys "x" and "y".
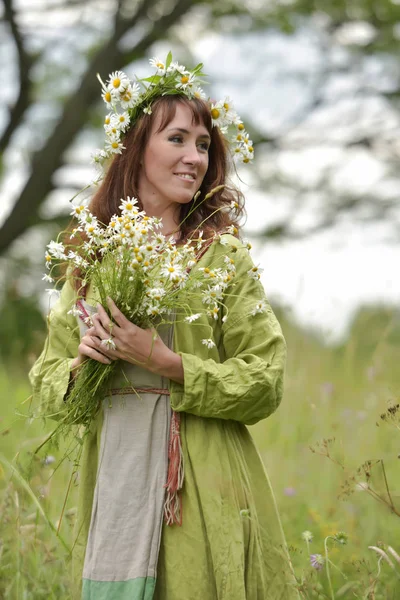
{"x": 122, "y": 177}
{"x": 223, "y": 209}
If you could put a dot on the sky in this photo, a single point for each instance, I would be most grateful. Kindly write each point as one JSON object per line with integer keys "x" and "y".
{"x": 322, "y": 279}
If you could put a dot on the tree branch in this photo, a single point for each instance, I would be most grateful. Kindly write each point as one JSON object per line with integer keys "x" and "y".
{"x": 25, "y": 63}
{"x": 49, "y": 158}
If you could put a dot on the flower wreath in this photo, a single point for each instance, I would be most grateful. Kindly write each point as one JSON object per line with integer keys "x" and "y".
{"x": 127, "y": 100}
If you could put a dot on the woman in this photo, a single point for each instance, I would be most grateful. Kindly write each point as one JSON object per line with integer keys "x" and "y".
{"x": 228, "y": 542}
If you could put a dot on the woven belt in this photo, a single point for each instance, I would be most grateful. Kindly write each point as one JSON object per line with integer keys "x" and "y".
{"x": 131, "y": 390}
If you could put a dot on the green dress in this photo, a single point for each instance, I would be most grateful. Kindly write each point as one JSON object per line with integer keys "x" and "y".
{"x": 231, "y": 544}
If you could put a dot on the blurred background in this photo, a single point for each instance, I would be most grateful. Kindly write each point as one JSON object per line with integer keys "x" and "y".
{"x": 318, "y": 87}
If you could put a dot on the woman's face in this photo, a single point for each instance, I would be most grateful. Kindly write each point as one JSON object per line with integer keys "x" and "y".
{"x": 175, "y": 161}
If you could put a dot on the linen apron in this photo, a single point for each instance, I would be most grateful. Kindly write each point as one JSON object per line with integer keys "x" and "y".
{"x": 127, "y": 513}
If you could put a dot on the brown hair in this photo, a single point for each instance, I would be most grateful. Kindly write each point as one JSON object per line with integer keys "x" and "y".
{"x": 122, "y": 176}
{"x": 121, "y": 179}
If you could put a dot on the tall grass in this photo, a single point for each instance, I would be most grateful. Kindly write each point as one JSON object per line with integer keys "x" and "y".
{"x": 330, "y": 393}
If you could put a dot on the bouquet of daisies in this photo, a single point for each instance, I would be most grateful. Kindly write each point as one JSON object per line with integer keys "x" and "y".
{"x": 148, "y": 276}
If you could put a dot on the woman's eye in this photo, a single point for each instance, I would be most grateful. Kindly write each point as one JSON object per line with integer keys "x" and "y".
{"x": 175, "y": 138}
{"x": 204, "y": 146}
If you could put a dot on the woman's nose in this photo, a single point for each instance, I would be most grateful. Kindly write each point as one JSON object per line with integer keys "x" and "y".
{"x": 192, "y": 155}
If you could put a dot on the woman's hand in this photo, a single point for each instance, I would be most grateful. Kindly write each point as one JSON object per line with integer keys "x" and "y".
{"x": 121, "y": 339}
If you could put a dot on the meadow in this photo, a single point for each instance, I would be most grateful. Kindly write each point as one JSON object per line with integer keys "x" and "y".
{"x": 331, "y": 452}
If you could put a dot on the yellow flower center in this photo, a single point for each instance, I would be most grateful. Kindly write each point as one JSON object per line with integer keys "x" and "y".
{"x": 114, "y": 145}
{"x": 143, "y": 231}
{"x": 240, "y": 126}
{"x": 91, "y": 229}
{"x": 250, "y": 149}
{"x": 116, "y": 82}
{"x": 48, "y": 257}
{"x": 107, "y": 97}
{"x": 226, "y": 106}
{"x": 160, "y": 65}
{"x": 121, "y": 119}
{"x": 128, "y": 206}
{"x": 107, "y": 121}
{"x": 112, "y": 224}
{"x": 127, "y": 96}
{"x": 239, "y": 137}
{"x": 184, "y": 79}
{"x": 171, "y": 269}
{"x": 215, "y": 113}
{"x": 206, "y": 270}
{"x": 246, "y": 160}
{"x": 235, "y": 230}
{"x": 136, "y": 249}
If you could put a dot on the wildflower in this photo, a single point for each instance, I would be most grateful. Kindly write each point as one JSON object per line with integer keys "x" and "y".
{"x": 47, "y": 278}
{"x": 118, "y": 82}
{"x": 109, "y": 343}
{"x": 307, "y": 536}
{"x": 259, "y": 308}
{"x": 157, "y": 64}
{"x": 114, "y": 145}
{"x": 192, "y": 318}
{"x": 173, "y": 272}
{"x": 147, "y": 110}
{"x": 255, "y": 272}
{"x": 317, "y": 561}
{"x": 49, "y": 460}
{"x": 208, "y": 342}
{"x": 341, "y": 538}
{"x": 56, "y": 249}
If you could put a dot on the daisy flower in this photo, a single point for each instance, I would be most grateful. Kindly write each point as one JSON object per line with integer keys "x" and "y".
{"x": 128, "y": 206}
{"x": 107, "y": 97}
{"x": 199, "y": 93}
{"x": 208, "y": 342}
{"x": 255, "y": 272}
{"x": 75, "y": 312}
{"x": 119, "y": 121}
{"x": 56, "y": 249}
{"x": 259, "y": 308}
{"x": 158, "y": 64}
{"x": 192, "y": 318}
{"x": 129, "y": 96}
{"x": 218, "y": 114}
{"x": 118, "y": 82}
{"x": 185, "y": 80}
{"x": 114, "y": 145}
{"x": 47, "y": 278}
{"x": 173, "y": 272}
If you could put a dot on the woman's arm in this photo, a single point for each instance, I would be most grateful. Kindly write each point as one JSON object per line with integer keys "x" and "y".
{"x": 244, "y": 380}
{"x": 50, "y": 375}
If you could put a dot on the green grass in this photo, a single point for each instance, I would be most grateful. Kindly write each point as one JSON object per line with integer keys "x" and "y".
{"x": 330, "y": 393}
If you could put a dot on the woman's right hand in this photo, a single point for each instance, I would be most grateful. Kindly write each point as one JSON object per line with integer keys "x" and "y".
{"x": 88, "y": 348}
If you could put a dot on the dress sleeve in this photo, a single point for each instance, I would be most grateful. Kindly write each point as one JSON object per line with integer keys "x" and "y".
{"x": 50, "y": 374}
{"x": 247, "y": 384}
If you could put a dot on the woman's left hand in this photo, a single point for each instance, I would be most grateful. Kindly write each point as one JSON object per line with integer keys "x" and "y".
{"x": 123, "y": 340}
